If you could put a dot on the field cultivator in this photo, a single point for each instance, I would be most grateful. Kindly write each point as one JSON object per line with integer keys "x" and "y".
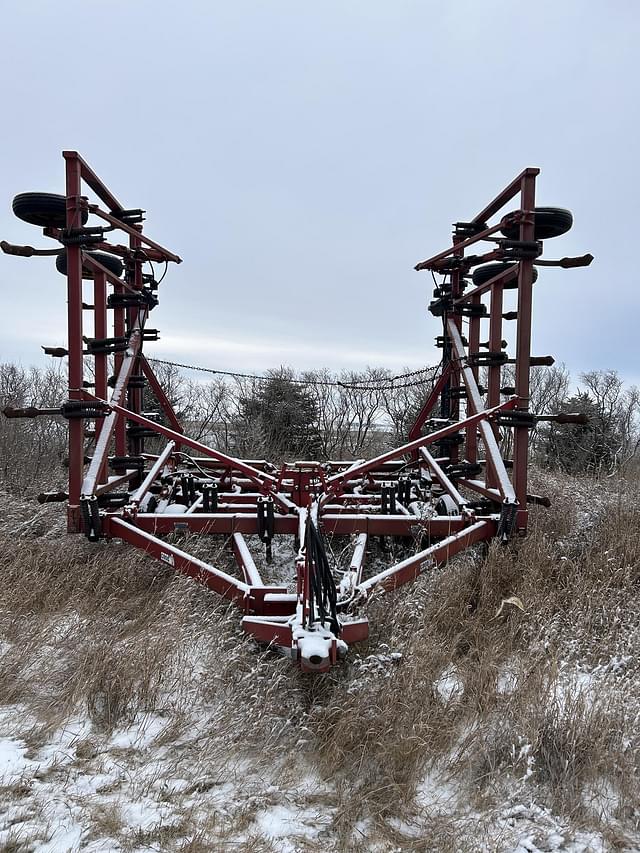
{"x": 446, "y": 489}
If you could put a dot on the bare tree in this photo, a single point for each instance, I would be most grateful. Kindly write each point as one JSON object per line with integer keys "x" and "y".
{"x": 32, "y": 450}
{"x": 609, "y": 442}
{"x": 615, "y": 426}
{"x": 403, "y": 401}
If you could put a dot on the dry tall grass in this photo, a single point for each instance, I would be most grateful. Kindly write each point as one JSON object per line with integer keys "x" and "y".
{"x": 445, "y": 695}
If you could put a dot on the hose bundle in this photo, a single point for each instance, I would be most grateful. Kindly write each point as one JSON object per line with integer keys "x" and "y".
{"x": 322, "y": 587}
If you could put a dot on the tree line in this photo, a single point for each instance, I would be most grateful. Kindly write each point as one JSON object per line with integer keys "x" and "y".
{"x": 318, "y": 414}
{"x": 314, "y": 414}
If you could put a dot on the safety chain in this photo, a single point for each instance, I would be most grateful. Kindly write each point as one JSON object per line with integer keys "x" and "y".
{"x": 387, "y": 384}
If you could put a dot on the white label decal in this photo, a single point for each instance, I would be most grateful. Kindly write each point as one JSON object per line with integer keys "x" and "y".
{"x": 167, "y": 558}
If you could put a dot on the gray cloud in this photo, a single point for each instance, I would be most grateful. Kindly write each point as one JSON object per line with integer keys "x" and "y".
{"x": 302, "y": 157}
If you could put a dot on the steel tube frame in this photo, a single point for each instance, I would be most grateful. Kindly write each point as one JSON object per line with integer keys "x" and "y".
{"x": 77, "y": 171}
{"x": 246, "y": 561}
{"x": 507, "y": 194}
{"x": 410, "y": 568}
{"x": 154, "y": 471}
{"x": 471, "y": 436}
{"x": 222, "y": 583}
{"x": 132, "y": 231}
{"x": 86, "y": 173}
{"x": 342, "y": 498}
{"x": 101, "y": 366}
{"x": 476, "y": 418}
{"x": 442, "y": 478}
{"x": 110, "y": 422}
{"x": 475, "y": 402}
{"x": 260, "y": 478}
{"x": 523, "y": 354}
{"x": 487, "y": 232}
{"x": 74, "y": 341}
{"x": 330, "y": 523}
{"x": 161, "y": 397}
{"x": 501, "y": 278}
{"x": 359, "y": 554}
{"x": 430, "y": 403}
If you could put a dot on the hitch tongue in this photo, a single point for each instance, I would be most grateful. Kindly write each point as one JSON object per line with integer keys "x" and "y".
{"x": 315, "y": 649}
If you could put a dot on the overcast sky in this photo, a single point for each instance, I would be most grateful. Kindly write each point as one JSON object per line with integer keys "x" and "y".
{"x": 302, "y": 157}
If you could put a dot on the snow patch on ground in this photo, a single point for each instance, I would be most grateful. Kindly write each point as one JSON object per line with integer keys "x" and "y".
{"x": 12, "y": 759}
{"x": 448, "y": 686}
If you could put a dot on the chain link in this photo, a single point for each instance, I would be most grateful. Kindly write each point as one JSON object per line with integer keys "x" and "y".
{"x": 386, "y": 384}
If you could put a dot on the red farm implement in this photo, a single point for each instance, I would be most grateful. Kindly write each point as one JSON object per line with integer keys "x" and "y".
{"x": 446, "y": 489}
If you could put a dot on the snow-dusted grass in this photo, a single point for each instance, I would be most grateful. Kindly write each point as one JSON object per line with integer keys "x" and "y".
{"x": 135, "y": 716}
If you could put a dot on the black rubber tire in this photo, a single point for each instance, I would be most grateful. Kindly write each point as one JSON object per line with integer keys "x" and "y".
{"x": 47, "y": 210}
{"x": 114, "y": 265}
{"x": 549, "y": 222}
{"x": 483, "y": 274}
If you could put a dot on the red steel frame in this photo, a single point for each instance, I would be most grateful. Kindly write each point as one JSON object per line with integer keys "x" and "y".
{"x": 358, "y": 499}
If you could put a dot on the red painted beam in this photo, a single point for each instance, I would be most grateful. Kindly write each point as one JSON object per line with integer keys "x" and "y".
{"x": 74, "y": 160}
{"x": 430, "y": 402}
{"x": 168, "y": 554}
{"x": 410, "y": 568}
{"x": 506, "y": 195}
{"x": 161, "y": 397}
{"x": 340, "y": 525}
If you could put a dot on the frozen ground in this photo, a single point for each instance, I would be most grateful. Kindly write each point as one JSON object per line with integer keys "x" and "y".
{"x": 144, "y": 787}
